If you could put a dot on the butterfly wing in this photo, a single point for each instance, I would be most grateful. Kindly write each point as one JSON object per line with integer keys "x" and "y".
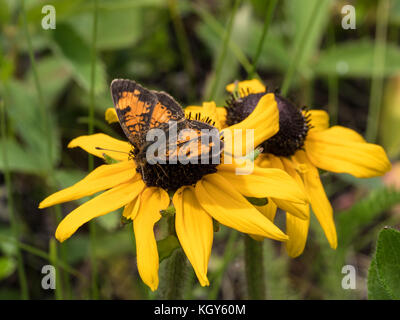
{"x": 133, "y": 104}
{"x": 140, "y": 109}
{"x": 198, "y": 142}
{"x": 165, "y": 110}
{"x": 209, "y": 144}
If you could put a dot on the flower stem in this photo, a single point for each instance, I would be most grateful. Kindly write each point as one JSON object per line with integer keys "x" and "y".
{"x": 42, "y": 105}
{"x": 92, "y": 78}
{"x": 299, "y": 49}
{"x": 10, "y": 203}
{"x": 92, "y": 227}
{"x": 229, "y": 254}
{"x": 176, "y": 270}
{"x": 375, "y": 100}
{"x": 175, "y": 275}
{"x": 333, "y": 85}
{"x": 42, "y": 254}
{"x": 43, "y": 110}
{"x": 253, "y": 255}
{"x": 268, "y": 17}
{"x": 221, "y": 58}
{"x": 53, "y": 260}
{"x": 183, "y": 45}
{"x": 219, "y": 30}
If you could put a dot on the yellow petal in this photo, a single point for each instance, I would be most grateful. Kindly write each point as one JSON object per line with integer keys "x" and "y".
{"x": 111, "y": 115}
{"x": 131, "y": 209}
{"x": 89, "y": 143}
{"x": 152, "y": 200}
{"x": 247, "y": 86}
{"x": 192, "y": 110}
{"x": 319, "y": 119}
{"x": 339, "y": 149}
{"x": 208, "y": 110}
{"x": 288, "y": 166}
{"x": 319, "y": 201}
{"x": 194, "y": 228}
{"x": 102, "y": 178}
{"x": 264, "y": 161}
{"x": 264, "y": 120}
{"x": 221, "y": 112}
{"x": 297, "y": 203}
{"x": 266, "y": 182}
{"x": 299, "y": 210}
{"x": 220, "y": 199}
{"x": 297, "y": 230}
{"x": 106, "y": 202}
{"x": 268, "y": 211}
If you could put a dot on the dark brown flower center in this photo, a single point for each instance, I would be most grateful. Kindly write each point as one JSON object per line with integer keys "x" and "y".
{"x": 172, "y": 176}
{"x": 293, "y": 124}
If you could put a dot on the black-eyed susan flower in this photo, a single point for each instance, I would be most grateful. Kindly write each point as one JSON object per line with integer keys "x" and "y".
{"x": 304, "y": 143}
{"x": 216, "y": 192}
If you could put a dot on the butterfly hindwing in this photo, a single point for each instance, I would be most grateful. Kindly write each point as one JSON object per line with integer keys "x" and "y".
{"x": 202, "y": 142}
{"x": 167, "y": 109}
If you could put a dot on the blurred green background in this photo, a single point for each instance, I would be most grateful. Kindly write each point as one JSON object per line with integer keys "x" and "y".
{"x": 179, "y": 46}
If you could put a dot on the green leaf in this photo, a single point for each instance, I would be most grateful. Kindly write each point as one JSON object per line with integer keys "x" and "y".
{"x": 355, "y": 58}
{"x": 54, "y": 76}
{"x": 6, "y": 68}
{"x": 23, "y": 110}
{"x": 274, "y": 54}
{"x": 77, "y": 55}
{"x": 19, "y": 159}
{"x": 394, "y": 14}
{"x": 5, "y": 12}
{"x": 363, "y": 213}
{"x": 208, "y": 31}
{"x": 376, "y": 290}
{"x": 64, "y": 9}
{"x": 108, "y": 245}
{"x": 7, "y": 267}
{"x": 299, "y": 16}
{"x": 167, "y": 246}
{"x": 389, "y": 130}
{"x": 124, "y": 4}
{"x": 118, "y": 28}
{"x": 388, "y": 260}
{"x": 111, "y": 220}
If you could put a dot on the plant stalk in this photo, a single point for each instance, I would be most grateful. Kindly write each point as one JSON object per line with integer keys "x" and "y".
{"x": 92, "y": 226}
{"x": 375, "y": 100}
{"x": 221, "y": 58}
{"x": 298, "y": 50}
{"x": 10, "y": 204}
{"x": 253, "y": 254}
{"x": 267, "y": 21}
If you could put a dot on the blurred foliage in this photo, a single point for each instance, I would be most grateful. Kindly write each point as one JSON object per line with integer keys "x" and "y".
{"x": 138, "y": 39}
{"x": 384, "y": 272}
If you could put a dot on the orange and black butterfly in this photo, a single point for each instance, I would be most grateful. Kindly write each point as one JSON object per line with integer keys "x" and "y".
{"x": 139, "y": 110}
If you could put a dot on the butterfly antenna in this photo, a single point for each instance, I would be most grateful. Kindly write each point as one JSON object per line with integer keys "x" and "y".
{"x": 165, "y": 174}
{"x": 103, "y": 149}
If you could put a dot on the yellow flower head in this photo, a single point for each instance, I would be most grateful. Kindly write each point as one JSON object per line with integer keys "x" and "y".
{"x": 218, "y": 195}
{"x": 304, "y": 143}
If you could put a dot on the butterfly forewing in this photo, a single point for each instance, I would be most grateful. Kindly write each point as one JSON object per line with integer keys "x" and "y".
{"x": 134, "y": 105}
